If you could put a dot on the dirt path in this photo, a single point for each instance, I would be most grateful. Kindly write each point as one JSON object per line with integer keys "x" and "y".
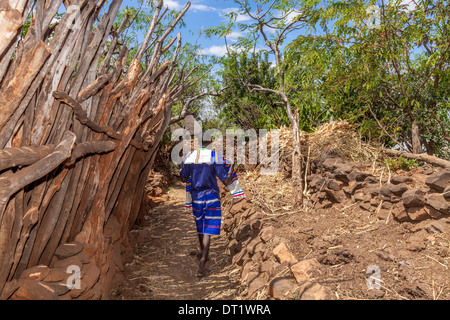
{"x": 165, "y": 263}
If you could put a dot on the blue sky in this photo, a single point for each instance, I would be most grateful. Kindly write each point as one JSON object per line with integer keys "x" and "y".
{"x": 202, "y": 15}
{"x": 211, "y": 13}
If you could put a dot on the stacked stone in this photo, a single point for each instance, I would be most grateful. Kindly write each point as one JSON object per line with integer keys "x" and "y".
{"x": 407, "y": 197}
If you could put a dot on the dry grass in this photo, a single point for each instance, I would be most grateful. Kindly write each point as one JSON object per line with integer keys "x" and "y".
{"x": 338, "y": 135}
{"x": 271, "y": 190}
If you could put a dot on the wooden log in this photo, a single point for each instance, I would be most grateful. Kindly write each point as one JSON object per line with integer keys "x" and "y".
{"x": 72, "y": 182}
{"x": 10, "y": 182}
{"x": 16, "y": 89}
{"x": 93, "y": 88}
{"x": 82, "y": 116}
{"x": 10, "y": 23}
{"x": 24, "y": 156}
{"x": 421, "y": 157}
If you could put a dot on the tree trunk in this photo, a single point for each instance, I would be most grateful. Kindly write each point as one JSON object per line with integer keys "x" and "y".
{"x": 417, "y": 147}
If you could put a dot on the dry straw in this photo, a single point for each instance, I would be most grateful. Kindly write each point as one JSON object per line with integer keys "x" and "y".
{"x": 272, "y": 190}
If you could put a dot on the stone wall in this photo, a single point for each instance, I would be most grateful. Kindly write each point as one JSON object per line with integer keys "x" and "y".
{"x": 74, "y": 261}
{"x": 410, "y": 196}
{"x": 263, "y": 260}
{"x": 267, "y": 269}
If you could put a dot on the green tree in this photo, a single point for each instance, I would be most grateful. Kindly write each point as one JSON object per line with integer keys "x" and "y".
{"x": 240, "y": 106}
{"x": 390, "y": 77}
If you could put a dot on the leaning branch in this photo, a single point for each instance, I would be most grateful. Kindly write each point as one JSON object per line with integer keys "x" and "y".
{"x": 24, "y": 156}
{"x": 11, "y": 182}
{"x": 82, "y": 116}
{"x": 421, "y": 157}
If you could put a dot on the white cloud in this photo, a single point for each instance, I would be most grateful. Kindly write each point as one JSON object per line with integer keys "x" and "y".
{"x": 410, "y": 4}
{"x": 240, "y": 17}
{"x": 234, "y": 35}
{"x": 202, "y": 7}
{"x": 179, "y": 5}
{"x": 218, "y": 51}
{"x": 173, "y": 5}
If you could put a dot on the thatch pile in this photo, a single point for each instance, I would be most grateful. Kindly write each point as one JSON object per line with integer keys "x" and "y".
{"x": 339, "y": 136}
{"x": 272, "y": 190}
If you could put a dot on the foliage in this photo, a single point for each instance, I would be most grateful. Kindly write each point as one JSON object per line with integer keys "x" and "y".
{"x": 400, "y": 163}
{"x": 252, "y": 99}
{"x": 384, "y": 78}
{"x": 249, "y": 109}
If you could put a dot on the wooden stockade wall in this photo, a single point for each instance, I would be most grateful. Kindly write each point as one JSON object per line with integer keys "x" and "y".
{"x": 79, "y": 130}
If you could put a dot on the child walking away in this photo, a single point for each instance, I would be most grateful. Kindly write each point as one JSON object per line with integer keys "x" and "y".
{"x": 200, "y": 171}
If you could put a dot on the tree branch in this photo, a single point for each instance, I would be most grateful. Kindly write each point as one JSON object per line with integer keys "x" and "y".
{"x": 24, "y": 156}
{"x": 11, "y": 182}
{"x": 82, "y": 116}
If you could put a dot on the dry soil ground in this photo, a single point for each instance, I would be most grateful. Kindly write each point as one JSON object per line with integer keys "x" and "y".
{"x": 165, "y": 263}
{"x": 412, "y": 260}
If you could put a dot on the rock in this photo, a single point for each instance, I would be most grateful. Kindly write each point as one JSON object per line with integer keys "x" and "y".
{"x": 342, "y": 170}
{"x": 266, "y": 234}
{"x": 34, "y": 290}
{"x": 435, "y": 214}
{"x": 314, "y": 291}
{"x": 35, "y": 273}
{"x": 255, "y": 224}
{"x": 283, "y": 255}
{"x": 280, "y": 288}
{"x": 417, "y": 213}
{"x": 324, "y": 204}
{"x": 239, "y": 258}
{"x": 365, "y": 206}
{"x": 251, "y": 247}
{"x": 382, "y": 214}
{"x": 393, "y": 189}
{"x": 335, "y": 185}
{"x": 397, "y": 179}
{"x": 89, "y": 276}
{"x": 358, "y": 196}
{"x": 336, "y": 196}
{"x": 68, "y": 250}
{"x": 113, "y": 228}
{"x": 337, "y": 256}
{"x": 399, "y": 212}
{"x": 357, "y": 175}
{"x": 257, "y": 257}
{"x": 437, "y": 227}
{"x": 60, "y": 288}
{"x": 303, "y": 270}
{"x": 65, "y": 263}
{"x": 416, "y": 243}
{"x": 447, "y": 193}
{"x": 247, "y": 267}
{"x": 372, "y": 190}
{"x": 438, "y": 202}
{"x": 413, "y": 198}
{"x": 268, "y": 267}
{"x": 256, "y": 284}
{"x": 355, "y": 186}
{"x": 56, "y": 274}
{"x": 331, "y": 164}
{"x": 439, "y": 181}
{"x": 247, "y": 213}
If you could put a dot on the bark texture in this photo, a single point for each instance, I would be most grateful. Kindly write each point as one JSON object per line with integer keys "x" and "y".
{"x": 79, "y": 130}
